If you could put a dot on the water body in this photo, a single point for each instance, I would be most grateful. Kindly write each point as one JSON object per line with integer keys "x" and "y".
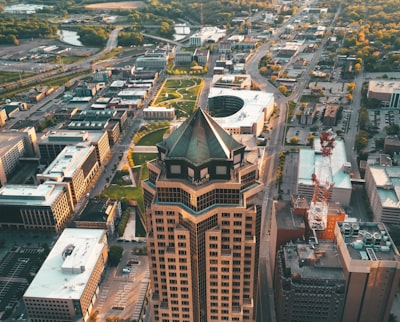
{"x": 69, "y": 37}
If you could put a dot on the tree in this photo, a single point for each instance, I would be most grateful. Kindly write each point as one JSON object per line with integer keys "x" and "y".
{"x": 115, "y": 255}
{"x": 392, "y": 129}
{"x": 361, "y": 140}
{"x": 363, "y": 118}
{"x": 350, "y": 87}
{"x": 294, "y": 140}
{"x": 283, "y": 89}
{"x": 166, "y": 30}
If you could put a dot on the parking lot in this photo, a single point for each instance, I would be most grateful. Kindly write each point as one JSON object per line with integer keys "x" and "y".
{"x": 17, "y": 268}
{"x": 124, "y": 289}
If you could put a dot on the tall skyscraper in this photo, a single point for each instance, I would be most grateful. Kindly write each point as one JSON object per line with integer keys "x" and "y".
{"x": 203, "y": 224}
{"x": 371, "y": 265}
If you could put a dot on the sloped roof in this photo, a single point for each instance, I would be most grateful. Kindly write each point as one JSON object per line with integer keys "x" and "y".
{"x": 200, "y": 139}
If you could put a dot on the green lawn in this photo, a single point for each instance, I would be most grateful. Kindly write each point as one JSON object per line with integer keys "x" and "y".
{"x": 180, "y": 94}
{"x": 310, "y": 98}
{"x": 119, "y": 178}
{"x": 142, "y": 158}
{"x": 152, "y": 138}
{"x": 124, "y": 193}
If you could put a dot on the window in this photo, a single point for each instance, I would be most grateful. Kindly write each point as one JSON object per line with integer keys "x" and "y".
{"x": 220, "y": 170}
{"x": 175, "y": 169}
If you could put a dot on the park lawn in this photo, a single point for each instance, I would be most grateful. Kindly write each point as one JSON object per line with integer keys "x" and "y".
{"x": 142, "y": 158}
{"x": 152, "y": 138}
{"x": 124, "y": 193}
{"x": 119, "y": 180}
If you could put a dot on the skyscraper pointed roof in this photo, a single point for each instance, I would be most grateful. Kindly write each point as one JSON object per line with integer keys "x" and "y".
{"x": 200, "y": 139}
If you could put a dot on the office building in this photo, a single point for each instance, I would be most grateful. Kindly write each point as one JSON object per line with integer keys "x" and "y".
{"x": 75, "y": 165}
{"x": 309, "y": 283}
{"x": 66, "y": 286}
{"x": 371, "y": 266}
{"x": 335, "y": 169}
{"x": 203, "y": 224}
{"x": 53, "y": 142}
{"x": 382, "y": 184}
{"x": 14, "y": 146}
{"x": 48, "y": 206}
{"x": 100, "y": 213}
{"x": 352, "y": 278}
{"x": 387, "y": 92}
{"x": 240, "y": 112}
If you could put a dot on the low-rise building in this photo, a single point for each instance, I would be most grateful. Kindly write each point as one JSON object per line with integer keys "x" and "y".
{"x": 237, "y": 81}
{"x": 388, "y": 92}
{"x": 333, "y": 169}
{"x": 158, "y": 113}
{"x": 330, "y": 115}
{"x": 245, "y": 110}
{"x": 100, "y": 213}
{"x": 53, "y": 142}
{"x": 48, "y": 206}
{"x": 183, "y": 58}
{"x": 66, "y": 286}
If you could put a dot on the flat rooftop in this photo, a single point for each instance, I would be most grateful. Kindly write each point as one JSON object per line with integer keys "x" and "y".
{"x": 387, "y": 181}
{"x": 68, "y": 267}
{"x": 23, "y": 195}
{"x": 67, "y": 136}
{"x": 313, "y": 261}
{"x": 368, "y": 241}
{"x": 67, "y": 162}
{"x": 254, "y": 104}
{"x": 9, "y": 140}
{"x": 380, "y": 86}
{"x": 326, "y": 169}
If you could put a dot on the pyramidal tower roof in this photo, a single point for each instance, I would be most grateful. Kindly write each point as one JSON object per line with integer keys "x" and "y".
{"x": 200, "y": 139}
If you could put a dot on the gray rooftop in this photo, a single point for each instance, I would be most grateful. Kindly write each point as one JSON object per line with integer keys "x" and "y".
{"x": 368, "y": 241}
{"x": 313, "y": 261}
{"x": 200, "y": 139}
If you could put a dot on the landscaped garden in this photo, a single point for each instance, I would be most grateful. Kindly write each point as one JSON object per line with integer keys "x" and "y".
{"x": 181, "y": 94}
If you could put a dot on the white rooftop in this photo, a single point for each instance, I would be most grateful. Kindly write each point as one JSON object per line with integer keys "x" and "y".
{"x": 327, "y": 170}
{"x": 387, "y": 180}
{"x": 65, "y": 135}
{"x": 254, "y": 103}
{"x": 41, "y": 195}
{"x": 68, "y": 267}
{"x": 67, "y": 162}
{"x": 118, "y": 83}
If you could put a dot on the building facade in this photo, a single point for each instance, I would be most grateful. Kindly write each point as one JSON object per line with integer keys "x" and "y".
{"x": 45, "y": 207}
{"x": 334, "y": 169}
{"x": 53, "y": 142}
{"x": 382, "y": 185}
{"x": 371, "y": 266}
{"x": 66, "y": 286}
{"x": 203, "y": 226}
{"x": 309, "y": 283}
{"x": 76, "y": 166}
